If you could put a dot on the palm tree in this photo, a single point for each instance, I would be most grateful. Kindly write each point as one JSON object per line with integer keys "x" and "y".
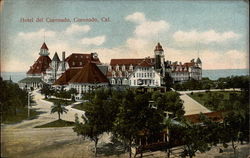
{"x": 59, "y": 108}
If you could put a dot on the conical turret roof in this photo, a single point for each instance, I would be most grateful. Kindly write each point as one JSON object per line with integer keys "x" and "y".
{"x": 44, "y": 46}
{"x": 55, "y": 57}
{"x": 198, "y": 61}
{"x": 158, "y": 47}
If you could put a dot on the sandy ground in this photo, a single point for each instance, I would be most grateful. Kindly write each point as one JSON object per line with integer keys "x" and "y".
{"x": 191, "y": 106}
{"x": 23, "y": 141}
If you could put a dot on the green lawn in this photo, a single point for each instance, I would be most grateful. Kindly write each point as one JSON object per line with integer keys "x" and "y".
{"x": 68, "y": 102}
{"x": 57, "y": 123}
{"x": 22, "y": 114}
{"x": 201, "y": 97}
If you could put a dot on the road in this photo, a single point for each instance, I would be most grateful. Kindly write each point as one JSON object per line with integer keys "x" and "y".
{"x": 191, "y": 106}
{"x": 23, "y": 140}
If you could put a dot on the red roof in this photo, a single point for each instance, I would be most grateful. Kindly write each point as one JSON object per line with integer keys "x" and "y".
{"x": 79, "y": 60}
{"x": 189, "y": 64}
{"x": 40, "y": 66}
{"x": 128, "y": 62}
{"x": 146, "y": 63}
{"x": 66, "y": 76}
{"x": 214, "y": 116}
{"x": 44, "y": 46}
{"x": 90, "y": 73}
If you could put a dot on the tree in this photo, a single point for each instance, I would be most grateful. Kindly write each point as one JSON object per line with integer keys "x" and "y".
{"x": 169, "y": 101}
{"x": 59, "y": 108}
{"x": 72, "y": 93}
{"x": 46, "y": 90}
{"x": 98, "y": 117}
{"x": 168, "y": 81}
{"x": 136, "y": 115}
{"x": 13, "y": 99}
{"x": 194, "y": 139}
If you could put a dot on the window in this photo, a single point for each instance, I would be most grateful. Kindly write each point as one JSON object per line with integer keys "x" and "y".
{"x": 113, "y": 81}
{"x": 73, "y": 63}
{"x": 109, "y": 68}
{"x": 80, "y": 63}
{"x": 123, "y": 68}
{"x": 113, "y": 73}
{"x": 117, "y": 68}
{"x": 131, "y": 67}
{"x": 126, "y": 74}
{"x": 134, "y": 82}
{"x": 118, "y": 81}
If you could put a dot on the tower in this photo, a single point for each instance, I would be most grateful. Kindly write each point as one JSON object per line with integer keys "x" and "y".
{"x": 44, "y": 50}
{"x": 55, "y": 63}
{"x": 159, "y": 58}
{"x": 198, "y": 62}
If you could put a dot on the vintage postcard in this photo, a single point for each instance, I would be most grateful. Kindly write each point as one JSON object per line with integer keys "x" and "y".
{"x": 124, "y": 78}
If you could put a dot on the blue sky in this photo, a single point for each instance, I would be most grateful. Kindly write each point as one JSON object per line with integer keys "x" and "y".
{"x": 218, "y": 30}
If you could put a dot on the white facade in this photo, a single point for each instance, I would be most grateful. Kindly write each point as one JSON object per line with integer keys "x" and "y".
{"x": 145, "y": 76}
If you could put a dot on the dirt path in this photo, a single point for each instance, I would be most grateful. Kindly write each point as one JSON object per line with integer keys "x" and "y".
{"x": 191, "y": 106}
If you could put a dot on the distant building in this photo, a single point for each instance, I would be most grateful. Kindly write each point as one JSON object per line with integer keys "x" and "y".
{"x": 150, "y": 72}
{"x": 85, "y": 72}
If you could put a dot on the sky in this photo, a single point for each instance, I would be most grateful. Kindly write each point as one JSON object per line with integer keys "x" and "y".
{"x": 215, "y": 31}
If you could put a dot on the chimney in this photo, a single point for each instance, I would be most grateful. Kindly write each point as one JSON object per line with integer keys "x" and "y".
{"x": 63, "y": 56}
{"x": 63, "y": 61}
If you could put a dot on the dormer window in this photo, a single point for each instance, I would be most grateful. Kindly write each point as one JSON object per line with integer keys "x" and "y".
{"x": 131, "y": 67}
{"x": 126, "y": 73}
{"x": 113, "y": 73}
{"x": 123, "y": 68}
{"x": 117, "y": 67}
{"x": 120, "y": 74}
{"x": 109, "y": 68}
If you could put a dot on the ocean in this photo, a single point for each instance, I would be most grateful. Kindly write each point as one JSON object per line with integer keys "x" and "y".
{"x": 211, "y": 74}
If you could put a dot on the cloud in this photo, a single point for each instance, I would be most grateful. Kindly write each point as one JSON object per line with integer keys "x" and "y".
{"x": 204, "y": 37}
{"x": 136, "y": 17}
{"x": 231, "y": 59}
{"x": 74, "y": 28}
{"x": 147, "y": 28}
{"x": 99, "y": 40}
{"x": 36, "y": 35}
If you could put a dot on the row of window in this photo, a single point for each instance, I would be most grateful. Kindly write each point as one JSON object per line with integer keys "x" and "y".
{"x": 145, "y": 75}
{"x": 144, "y": 68}
{"x": 119, "y": 81}
{"x": 145, "y": 82}
{"x": 123, "y": 68}
{"x": 73, "y": 63}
